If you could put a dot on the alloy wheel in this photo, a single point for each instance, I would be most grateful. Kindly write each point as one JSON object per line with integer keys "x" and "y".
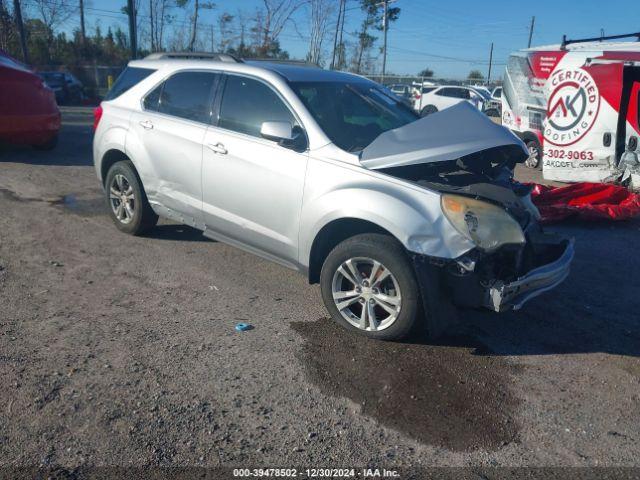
{"x": 366, "y": 294}
{"x": 534, "y": 155}
{"x": 122, "y": 198}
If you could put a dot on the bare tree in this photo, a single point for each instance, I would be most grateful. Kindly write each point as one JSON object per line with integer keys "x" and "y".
{"x": 158, "y": 17}
{"x": 7, "y": 28}
{"x": 197, "y": 6}
{"x": 52, "y": 14}
{"x": 225, "y": 23}
{"x": 320, "y": 13}
{"x": 276, "y": 15}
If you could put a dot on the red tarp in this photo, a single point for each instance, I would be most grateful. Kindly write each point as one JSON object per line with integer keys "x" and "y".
{"x": 587, "y": 201}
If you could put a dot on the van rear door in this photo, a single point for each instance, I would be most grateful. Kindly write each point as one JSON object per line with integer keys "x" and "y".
{"x": 630, "y": 109}
{"x": 583, "y": 105}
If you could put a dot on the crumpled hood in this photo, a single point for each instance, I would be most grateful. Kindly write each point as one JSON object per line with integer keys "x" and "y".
{"x": 447, "y": 135}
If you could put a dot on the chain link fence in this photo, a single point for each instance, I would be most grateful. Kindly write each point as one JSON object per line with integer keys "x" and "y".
{"x": 96, "y": 79}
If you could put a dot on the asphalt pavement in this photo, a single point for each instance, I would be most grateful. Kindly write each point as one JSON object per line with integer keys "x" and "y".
{"x": 120, "y": 350}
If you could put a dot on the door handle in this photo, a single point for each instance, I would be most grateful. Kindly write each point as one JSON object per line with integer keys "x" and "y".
{"x": 146, "y": 124}
{"x": 217, "y": 148}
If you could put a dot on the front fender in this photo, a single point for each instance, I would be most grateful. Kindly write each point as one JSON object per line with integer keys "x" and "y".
{"x": 410, "y": 213}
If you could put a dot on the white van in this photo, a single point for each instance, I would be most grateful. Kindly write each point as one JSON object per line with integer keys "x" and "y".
{"x": 576, "y": 106}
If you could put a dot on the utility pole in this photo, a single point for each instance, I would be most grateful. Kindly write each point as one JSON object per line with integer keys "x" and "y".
{"x": 384, "y": 46}
{"x": 533, "y": 22}
{"x": 153, "y": 43}
{"x": 132, "y": 28}
{"x": 335, "y": 37}
{"x": 341, "y": 57}
{"x": 490, "y": 63}
{"x": 83, "y": 33}
{"x": 23, "y": 40}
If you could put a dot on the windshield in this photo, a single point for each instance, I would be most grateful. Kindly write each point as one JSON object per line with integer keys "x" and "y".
{"x": 353, "y": 114}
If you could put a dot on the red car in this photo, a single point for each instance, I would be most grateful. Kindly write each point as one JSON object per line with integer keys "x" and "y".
{"x": 28, "y": 110}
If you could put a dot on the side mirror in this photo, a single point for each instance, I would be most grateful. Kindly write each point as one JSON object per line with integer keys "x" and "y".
{"x": 276, "y": 131}
{"x": 286, "y": 135}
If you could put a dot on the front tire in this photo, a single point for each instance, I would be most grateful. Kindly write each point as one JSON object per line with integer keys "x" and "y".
{"x": 369, "y": 287}
{"x": 127, "y": 201}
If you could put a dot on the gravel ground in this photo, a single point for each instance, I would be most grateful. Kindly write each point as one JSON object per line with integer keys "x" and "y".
{"x": 121, "y": 351}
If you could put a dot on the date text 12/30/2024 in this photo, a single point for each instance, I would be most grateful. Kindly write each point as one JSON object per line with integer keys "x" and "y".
{"x": 315, "y": 473}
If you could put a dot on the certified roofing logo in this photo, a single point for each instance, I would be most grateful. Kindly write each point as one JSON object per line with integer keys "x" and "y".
{"x": 572, "y": 108}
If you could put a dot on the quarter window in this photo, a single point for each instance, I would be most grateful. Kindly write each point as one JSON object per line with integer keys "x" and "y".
{"x": 129, "y": 77}
{"x": 446, "y": 92}
{"x": 187, "y": 95}
{"x": 247, "y": 103}
{"x": 152, "y": 100}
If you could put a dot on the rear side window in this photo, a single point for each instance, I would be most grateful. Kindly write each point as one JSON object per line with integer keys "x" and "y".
{"x": 128, "y": 78}
{"x": 188, "y": 95}
{"x": 246, "y": 103}
{"x": 446, "y": 92}
{"x": 152, "y": 100}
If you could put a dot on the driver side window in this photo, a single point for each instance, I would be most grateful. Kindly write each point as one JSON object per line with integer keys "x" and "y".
{"x": 247, "y": 103}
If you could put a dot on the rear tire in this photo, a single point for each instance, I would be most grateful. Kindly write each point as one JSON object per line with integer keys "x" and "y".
{"x": 389, "y": 290}
{"x": 428, "y": 110}
{"x": 127, "y": 201}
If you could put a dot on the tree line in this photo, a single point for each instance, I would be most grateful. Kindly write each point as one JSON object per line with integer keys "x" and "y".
{"x": 57, "y": 33}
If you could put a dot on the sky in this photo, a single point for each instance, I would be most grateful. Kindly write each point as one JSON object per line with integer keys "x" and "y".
{"x": 450, "y": 38}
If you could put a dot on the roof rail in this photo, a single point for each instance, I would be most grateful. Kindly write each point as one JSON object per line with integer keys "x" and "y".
{"x": 566, "y": 42}
{"x": 300, "y": 63}
{"x": 219, "y": 57}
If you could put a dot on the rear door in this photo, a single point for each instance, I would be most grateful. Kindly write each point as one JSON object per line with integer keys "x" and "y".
{"x": 630, "y": 110}
{"x": 450, "y": 96}
{"x": 171, "y": 128}
{"x": 252, "y": 187}
{"x": 581, "y": 125}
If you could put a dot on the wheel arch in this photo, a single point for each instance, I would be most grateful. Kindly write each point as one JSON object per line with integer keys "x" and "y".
{"x": 529, "y": 135}
{"x": 332, "y": 234}
{"x": 110, "y": 158}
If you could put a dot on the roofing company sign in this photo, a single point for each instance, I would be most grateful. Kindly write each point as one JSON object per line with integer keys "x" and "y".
{"x": 572, "y": 106}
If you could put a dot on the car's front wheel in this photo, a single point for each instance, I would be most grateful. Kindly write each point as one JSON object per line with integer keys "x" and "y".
{"x": 368, "y": 285}
{"x": 128, "y": 204}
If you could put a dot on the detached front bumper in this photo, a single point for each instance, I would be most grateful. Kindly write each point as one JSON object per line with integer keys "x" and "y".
{"x": 513, "y": 295}
{"x": 504, "y": 280}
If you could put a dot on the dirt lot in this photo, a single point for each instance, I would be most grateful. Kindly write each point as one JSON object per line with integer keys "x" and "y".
{"x": 117, "y": 350}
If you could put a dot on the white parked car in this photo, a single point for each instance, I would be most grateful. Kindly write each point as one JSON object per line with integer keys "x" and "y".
{"x": 434, "y": 99}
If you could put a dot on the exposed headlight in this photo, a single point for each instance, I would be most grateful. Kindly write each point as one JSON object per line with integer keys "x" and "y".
{"x": 485, "y": 224}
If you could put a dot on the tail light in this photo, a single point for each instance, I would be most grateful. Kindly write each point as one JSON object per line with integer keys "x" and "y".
{"x": 97, "y": 115}
{"x": 417, "y": 96}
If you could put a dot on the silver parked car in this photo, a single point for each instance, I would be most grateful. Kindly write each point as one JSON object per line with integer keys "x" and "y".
{"x": 326, "y": 173}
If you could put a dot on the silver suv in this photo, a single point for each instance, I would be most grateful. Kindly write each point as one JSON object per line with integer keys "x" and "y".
{"x": 329, "y": 174}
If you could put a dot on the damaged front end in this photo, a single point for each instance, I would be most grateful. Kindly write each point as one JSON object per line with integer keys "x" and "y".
{"x": 514, "y": 259}
{"x": 508, "y": 278}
